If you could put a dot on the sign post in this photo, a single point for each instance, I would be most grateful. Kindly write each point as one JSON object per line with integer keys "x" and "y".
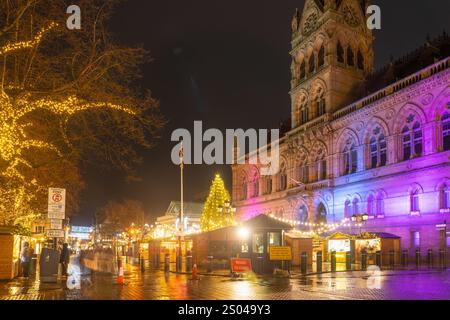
{"x": 56, "y": 212}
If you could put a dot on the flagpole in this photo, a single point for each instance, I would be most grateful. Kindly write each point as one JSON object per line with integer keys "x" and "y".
{"x": 182, "y": 206}
{"x": 181, "y": 231}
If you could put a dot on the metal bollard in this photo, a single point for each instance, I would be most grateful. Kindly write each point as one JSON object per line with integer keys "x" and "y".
{"x": 209, "y": 267}
{"x": 348, "y": 260}
{"x": 142, "y": 263}
{"x": 378, "y": 259}
{"x": 303, "y": 261}
{"x": 188, "y": 263}
{"x": 430, "y": 258}
{"x": 333, "y": 261}
{"x": 442, "y": 262}
{"x": 319, "y": 261}
{"x": 417, "y": 258}
{"x": 391, "y": 259}
{"x": 364, "y": 260}
{"x": 167, "y": 263}
{"x": 405, "y": 258}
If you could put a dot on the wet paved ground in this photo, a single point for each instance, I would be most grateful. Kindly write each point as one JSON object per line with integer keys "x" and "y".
{"x": 154, "y": 284}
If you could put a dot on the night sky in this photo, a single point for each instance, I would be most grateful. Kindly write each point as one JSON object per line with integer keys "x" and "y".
{"x": 225, "y": 63}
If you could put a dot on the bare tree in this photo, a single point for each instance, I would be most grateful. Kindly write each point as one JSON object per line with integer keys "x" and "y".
{"x": 67, "y": 98}
{"x": 118, "y": 216}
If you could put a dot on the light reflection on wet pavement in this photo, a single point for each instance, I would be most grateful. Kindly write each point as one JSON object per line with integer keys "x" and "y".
{"x": 155, "y": 284}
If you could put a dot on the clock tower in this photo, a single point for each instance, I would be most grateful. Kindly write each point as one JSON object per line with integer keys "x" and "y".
{"x": 332, "y": 55}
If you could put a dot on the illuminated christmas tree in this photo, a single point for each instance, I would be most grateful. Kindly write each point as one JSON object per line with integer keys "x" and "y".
{"x": 217, "y": 212}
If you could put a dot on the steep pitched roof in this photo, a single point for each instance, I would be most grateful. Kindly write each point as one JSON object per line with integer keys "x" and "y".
{"x": 263, "y": 221}
{"x": 190, "y": 208}
{"x": 431, "y": 52}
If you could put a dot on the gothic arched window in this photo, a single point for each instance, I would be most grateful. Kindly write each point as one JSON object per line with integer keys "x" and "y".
{"x": 304, "y": 173}
{"x": 303, "y": 70}
{"x": 320, "y": 102}
{"x": 304, "y": 114}
{"x": 350, "y": 158}
{"x": 414, "y": 201}
{"x": 321, "y": 56}
{"x": 244, "y": 193}
{"x": 312, "y": 63}
{"x": 340, "y": 53}
{"x": 348, "y": 211}
{"x": 380, "y": 205}
{"x": 360, "y": 60}
{"x": 282, "y": 179}
{"x": 444, "y": 196}
{"x": 411, "y": 139}
{"x": 378, "y": 149}
{"x": 301, "y": 214}
{"x": 301, "y": 106}
{"x": 321, "y": 166}
{"x": 321, "y": 214}
{"x": 350, "y": 57}
{"x": 446, "y": 131}
{"x": 255, "y": 186}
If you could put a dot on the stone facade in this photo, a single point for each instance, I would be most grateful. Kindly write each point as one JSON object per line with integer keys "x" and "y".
{"x": 385, "y": 153}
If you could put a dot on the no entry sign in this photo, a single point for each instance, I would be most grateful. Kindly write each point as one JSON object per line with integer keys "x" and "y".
{"x": 56, "y": 203}
{"x": 241, "y": 265}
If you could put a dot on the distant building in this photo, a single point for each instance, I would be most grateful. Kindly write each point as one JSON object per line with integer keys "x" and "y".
{"x": 170, "y": 221}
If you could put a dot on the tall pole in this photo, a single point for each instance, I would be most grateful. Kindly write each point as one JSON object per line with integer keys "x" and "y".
{"x": 181, "y": 193}
{"x": 181, "y": 231}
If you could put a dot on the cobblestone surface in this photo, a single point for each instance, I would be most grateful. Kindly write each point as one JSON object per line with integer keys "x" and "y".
{"x": 154, "y": 284}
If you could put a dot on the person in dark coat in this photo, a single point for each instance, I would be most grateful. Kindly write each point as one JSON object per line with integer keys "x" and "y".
{"x": 65, "y": 258}
{"x": 25, "y": 256}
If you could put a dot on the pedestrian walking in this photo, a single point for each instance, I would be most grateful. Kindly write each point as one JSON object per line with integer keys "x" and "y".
{"x": 65, "y": 258}
{"x": 25, "y": 256}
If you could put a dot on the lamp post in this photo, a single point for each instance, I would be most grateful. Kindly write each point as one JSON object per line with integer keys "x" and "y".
{"x": 360, "y": 218}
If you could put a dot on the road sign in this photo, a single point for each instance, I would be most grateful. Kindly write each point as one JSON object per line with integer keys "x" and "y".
{"x": 55, "y": 233}
{"x": 80, "y": 229}
{"x": 241, "y": 265}
{"x": 280, "y": 253}
{"x": 55, "y": 224}
{"x": 56, "y": 203}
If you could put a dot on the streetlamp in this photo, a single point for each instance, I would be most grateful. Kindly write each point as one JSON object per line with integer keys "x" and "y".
{"x": 360, "y": 218}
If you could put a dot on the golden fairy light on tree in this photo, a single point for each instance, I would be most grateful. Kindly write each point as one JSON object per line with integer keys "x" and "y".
{"x": 64, "y": 96}
{"x": 217, "y": 211}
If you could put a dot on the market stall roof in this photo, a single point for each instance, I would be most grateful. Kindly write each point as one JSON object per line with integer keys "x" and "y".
{"x": 265, "y": 222}
{"x": 364, "y": 235}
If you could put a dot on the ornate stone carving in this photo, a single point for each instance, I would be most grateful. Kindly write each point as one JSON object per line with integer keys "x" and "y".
{"x": 310, "y": 23}
{"x": 350, "y": 16}
{"x": 427, "y": 99}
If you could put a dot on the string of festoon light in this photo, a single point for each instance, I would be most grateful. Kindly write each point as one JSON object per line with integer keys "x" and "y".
{"x": 317, "y": 228}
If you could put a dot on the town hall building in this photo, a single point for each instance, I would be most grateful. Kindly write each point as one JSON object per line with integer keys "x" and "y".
{"x": 361, "y": 141}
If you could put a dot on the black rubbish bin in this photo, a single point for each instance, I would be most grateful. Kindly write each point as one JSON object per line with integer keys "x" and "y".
{"x": 48, "y": 265}
{"x": 33, "y": 265}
